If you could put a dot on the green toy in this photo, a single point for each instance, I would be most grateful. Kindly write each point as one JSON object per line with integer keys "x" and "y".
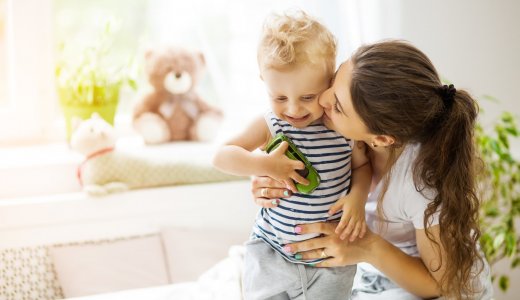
{"x": 293, "y": 153}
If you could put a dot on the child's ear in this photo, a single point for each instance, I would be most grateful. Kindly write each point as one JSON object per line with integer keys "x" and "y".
{"x": 202, "y": 59}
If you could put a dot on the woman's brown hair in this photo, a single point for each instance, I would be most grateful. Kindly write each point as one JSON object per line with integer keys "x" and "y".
{"x": 397, "y": 92}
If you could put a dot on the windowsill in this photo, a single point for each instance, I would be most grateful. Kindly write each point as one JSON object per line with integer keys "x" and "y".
{"x": 38, "y": 170}
{"x": 49, "y": 166}
{"x": 51, "y": 169}
{"x": 45, "y": 169}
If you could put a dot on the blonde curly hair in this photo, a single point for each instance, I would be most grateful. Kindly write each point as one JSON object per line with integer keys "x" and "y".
{"x": 295, "y": 38}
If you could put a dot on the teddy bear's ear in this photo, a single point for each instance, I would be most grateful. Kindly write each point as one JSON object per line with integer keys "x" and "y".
{"x": 149, "y": 59}
{"x": 201, "y": 58}
{"x": 148, "y": 53}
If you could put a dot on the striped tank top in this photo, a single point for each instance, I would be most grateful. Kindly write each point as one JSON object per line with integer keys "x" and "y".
{"x": 330, "y": 154}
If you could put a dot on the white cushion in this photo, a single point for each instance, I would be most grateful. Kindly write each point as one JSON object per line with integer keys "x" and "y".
{"x": 191, "y": 252}
{"x": 27, "y": 273}
{"x": 101, "y": 267}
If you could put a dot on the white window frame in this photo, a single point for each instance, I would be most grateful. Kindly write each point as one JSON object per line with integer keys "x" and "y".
{"x": 31, "y": 96}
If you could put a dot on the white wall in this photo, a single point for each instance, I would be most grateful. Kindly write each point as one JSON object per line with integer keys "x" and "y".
{"x": 473, "y": 43}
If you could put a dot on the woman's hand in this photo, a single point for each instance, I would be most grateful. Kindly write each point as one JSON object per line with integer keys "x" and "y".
{"x": 340, "y": 252}
{"x": 266, "y": 191}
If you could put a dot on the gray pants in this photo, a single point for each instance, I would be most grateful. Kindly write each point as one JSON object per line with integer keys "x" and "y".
{"x": 267, "y": 275}
{"x": 374, "y": 286}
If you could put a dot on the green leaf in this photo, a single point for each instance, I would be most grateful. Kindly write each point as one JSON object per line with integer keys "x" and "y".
{"x": 503, "y": 283}
{"x": 515, "y": 263}
{"x": 490, "y": 98}
{"x": 507, "y": 117}
{"x": 499, "y": 240}
{"x": 502, "y": 137}
{"x": 133, "y": 84}
{"x": 492, "y": 212}
{"x": 445, "y": 81}
{"x": 495, "y": 146}
{"x": 89, "y": 73}
{"x": 510, "y": 244}
{"x": 512, "y": 130}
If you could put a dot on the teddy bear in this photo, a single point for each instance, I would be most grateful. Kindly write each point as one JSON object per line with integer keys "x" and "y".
{"x": 173, "y": 111}
{"x": 107, "y": 169}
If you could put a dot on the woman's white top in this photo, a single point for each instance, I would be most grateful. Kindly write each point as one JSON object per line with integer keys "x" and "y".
{"x": 403, "y": 209}
{"x": 403, "y": 205}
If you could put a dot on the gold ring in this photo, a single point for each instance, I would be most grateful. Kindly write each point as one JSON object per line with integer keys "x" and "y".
{"x": 264, "y": 192}
{"x": 323, "y": 254}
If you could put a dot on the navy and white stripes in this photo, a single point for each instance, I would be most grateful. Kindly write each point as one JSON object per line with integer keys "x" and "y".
{"x": 330, "y": 154}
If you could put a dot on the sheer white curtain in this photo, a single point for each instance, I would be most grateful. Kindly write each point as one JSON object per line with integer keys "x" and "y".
{"x": 3, "y": 54}
{"x": 29, "y": 71}
{"x": 226, "y": 31}
{"x": 365, "y": 21}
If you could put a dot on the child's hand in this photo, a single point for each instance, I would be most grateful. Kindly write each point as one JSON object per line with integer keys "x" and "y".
{"x": 353, "y": 219}
{"x": 283, "y": 169}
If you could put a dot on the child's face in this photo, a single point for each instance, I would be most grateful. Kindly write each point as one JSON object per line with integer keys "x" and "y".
{"x": 294, "y": 93}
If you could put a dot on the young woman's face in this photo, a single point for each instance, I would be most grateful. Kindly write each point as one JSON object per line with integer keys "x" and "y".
{"x": 337, "y": 103}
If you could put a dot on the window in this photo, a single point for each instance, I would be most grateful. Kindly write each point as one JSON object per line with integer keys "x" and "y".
{"x": 33, "y": 32}
{"x": 3, "y": 54}
{"x": 226, "y": 31}
{"x": 28, "y": 100}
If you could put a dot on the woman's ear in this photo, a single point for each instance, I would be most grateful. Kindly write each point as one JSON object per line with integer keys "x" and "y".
{"x": 384, "y": 140}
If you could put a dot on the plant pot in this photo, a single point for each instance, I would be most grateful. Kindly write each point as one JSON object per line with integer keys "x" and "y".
{"x": 104, "y": 101}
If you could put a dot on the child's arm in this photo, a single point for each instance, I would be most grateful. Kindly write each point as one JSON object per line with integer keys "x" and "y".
{"x": 237, "y": 157}
{"x": 353, "y": 205}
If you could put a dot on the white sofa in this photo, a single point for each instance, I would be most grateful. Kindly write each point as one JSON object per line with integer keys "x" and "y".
{"x": 69, "y": 245}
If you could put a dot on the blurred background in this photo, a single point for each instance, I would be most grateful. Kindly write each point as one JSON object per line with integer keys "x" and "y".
{"x": 474, "y": 44}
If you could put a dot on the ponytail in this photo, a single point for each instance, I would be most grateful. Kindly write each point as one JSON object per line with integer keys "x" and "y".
{"x": 446, "y": 163}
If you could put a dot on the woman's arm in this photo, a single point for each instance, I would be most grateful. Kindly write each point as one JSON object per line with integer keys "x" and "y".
{"x": 433, "y": 255}
{"x": 406, "y": 271}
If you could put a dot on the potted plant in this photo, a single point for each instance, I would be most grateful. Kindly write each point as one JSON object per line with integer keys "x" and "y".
{"x": 500, "y": 191}
{"x": 90, "y": 84}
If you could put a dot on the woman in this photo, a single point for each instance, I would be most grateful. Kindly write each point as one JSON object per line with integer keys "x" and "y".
{"x": 422, "y": 209}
